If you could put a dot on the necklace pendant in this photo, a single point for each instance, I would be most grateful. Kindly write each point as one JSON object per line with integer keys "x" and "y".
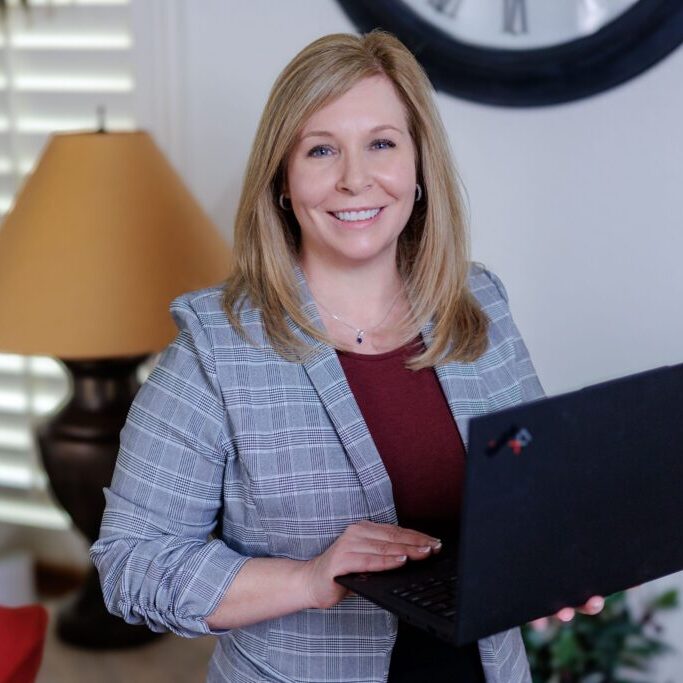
{"x": 359, "y": 336}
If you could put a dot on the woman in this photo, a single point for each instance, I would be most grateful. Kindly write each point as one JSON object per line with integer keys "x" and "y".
{"x": 320, "y": 396}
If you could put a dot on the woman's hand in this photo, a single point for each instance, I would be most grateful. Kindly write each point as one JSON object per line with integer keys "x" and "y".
{"x": 592, "y": 606}
{"x": 363, "y": 547}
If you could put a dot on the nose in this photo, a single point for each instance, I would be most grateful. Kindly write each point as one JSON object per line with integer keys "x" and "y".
{"x": 355, "y": 175}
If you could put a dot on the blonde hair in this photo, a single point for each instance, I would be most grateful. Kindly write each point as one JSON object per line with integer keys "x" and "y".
{"x": 433, "y": 249}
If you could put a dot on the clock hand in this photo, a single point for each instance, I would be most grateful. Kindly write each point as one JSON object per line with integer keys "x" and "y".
{"x": 515, "y": 17}
{"x": 448, "y": 8}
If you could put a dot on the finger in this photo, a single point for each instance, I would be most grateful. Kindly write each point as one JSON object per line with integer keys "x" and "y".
{"x": 363, "y": 562}
{"x": 396, "y": 534}
{"x": 593, "y": 605}
{"x": 566, "y": 614}
{"x": 539, "y": 624}
{"x": 414, "y": 552}
{"x": 386, "y": 548}
{"x": 413, "y": 537}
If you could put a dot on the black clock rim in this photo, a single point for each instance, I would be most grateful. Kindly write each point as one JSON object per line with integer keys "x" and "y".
{"x": 622, "y": 49}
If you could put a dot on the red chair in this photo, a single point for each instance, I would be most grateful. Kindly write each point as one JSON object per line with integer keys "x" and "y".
{"x": 22, "y": 636}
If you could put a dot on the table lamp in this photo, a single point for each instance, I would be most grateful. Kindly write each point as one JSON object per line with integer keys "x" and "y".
{"x": 102, "y": 236}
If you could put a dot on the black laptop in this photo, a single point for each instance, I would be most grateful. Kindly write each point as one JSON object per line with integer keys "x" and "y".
{"x": 565, "y": 497}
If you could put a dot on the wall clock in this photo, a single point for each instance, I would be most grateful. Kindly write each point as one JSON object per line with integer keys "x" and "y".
{"x": 528, "y": 52}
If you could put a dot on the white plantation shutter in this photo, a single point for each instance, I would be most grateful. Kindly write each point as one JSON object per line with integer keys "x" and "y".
{"x": 58, "y": 62}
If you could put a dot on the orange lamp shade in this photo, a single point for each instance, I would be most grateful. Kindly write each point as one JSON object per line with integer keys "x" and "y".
{"x": 102, "y": 236}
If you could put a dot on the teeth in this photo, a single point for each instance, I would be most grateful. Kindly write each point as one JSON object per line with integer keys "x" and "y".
{"x": 356, "y": 215}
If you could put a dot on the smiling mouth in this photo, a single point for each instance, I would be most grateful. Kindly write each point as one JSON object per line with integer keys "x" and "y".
{"x": 356, "y": 216}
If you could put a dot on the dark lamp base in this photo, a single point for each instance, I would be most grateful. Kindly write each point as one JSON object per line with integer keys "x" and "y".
{"x": 79, "y": 447}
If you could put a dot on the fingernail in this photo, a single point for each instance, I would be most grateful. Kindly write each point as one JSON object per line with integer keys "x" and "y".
{"x": 424, "y": 549}
{"x": 566, "y": 614}
{"x": 401, "y": 558}
{"x": 596, "y": 603}
{"x": 437, "y": 545}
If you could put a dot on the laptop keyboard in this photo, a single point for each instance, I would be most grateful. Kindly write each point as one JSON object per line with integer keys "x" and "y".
{"x": 437, "y": 595}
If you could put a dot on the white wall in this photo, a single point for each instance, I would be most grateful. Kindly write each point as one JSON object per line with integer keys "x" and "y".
{"x": 577, "y": 207}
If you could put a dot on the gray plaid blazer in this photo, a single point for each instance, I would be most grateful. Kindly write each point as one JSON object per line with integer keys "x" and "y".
{"x": 230, "y": 452}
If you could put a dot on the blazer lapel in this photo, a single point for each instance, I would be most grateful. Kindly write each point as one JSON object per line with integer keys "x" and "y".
{"x": 328, "y": 378}
{"x": 463, "y": 387}
{"x": 461, "y": 383}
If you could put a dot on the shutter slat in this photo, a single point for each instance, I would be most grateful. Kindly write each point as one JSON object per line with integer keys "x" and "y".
{"x": 98, "y": 62}
{"x": 32, "y": 511}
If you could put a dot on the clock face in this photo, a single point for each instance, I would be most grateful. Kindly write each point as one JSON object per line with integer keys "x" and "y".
{"x": 518, "y": 24}
{"x": 527, "y": 52}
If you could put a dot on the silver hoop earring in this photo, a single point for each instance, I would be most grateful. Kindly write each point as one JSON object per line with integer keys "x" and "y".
{"x": 418, "y": 192}
{"x": 281, "y": 202}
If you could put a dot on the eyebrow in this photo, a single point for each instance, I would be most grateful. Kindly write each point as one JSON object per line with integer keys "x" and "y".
{"x": 326, "y": 133}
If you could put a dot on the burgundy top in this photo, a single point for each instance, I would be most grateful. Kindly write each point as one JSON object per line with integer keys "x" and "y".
{"x": 416, "y": 436}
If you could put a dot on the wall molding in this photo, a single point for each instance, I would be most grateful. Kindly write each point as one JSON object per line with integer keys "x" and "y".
{"x": 159, "y": 64}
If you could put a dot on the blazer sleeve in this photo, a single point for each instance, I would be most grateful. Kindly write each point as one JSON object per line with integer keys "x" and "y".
{"x": 526, "y": 373}
{"x": 156, "y": 562}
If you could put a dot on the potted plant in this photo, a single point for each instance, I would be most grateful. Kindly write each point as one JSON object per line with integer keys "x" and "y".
{"x": 614, "y": 646}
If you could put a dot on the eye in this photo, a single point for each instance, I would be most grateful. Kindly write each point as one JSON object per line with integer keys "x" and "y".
{"x": 320, "y": 151}
{"x": 383, "y": 144}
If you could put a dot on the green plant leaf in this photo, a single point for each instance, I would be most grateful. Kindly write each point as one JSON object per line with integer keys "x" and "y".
{"x": 566, "y": 652}
{"x": 667, "y": 600}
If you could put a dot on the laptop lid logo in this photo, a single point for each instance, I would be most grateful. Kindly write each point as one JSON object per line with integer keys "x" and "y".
{"x": 515, "y": 439}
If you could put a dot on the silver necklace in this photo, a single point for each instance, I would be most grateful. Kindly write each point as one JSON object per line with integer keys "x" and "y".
{"x": 360, "y": 331}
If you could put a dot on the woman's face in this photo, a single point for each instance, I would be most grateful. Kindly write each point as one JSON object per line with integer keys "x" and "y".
{"x": 351, "y": 178}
